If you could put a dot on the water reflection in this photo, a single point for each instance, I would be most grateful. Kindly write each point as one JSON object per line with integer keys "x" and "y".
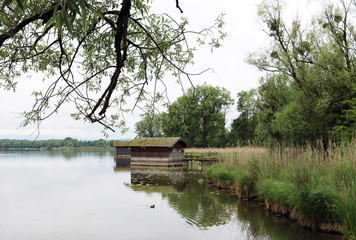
{"x": 157, "y": 179}
{"x": 84, "y": 195}
{"x": 187, "y": 195}
{"x": 69, "y": 154}
{"x": 203, "y": 207}
{"x": 258, "y": 222}
{"x": 122, "y": 162}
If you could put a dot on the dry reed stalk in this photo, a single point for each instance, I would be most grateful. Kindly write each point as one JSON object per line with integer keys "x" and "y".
{"x": 227, "y": 150}
{"x": 284, "y": 158}
{"x": 280, "y": 209}
{"x": 330, "y": 227}
{"x": 231, "y": 155}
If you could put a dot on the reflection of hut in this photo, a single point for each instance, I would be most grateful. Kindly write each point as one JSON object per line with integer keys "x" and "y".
{"x": 157, "y": 151}
{"x": 157, "y": 179}
{"x": 122, "y": 153}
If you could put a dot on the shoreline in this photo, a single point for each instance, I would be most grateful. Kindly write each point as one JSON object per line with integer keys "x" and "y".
{"x": 58, "y": 149}
{"x": 275, "y": 208}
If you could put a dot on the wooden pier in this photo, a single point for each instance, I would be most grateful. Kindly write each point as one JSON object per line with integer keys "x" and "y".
{"x": 201, "y": 157}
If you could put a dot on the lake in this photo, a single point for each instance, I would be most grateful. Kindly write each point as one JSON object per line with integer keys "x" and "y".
{"x": 83, "y": 195}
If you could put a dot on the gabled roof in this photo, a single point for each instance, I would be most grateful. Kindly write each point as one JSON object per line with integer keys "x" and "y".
{"x": 156, "y": 142}
{"x": 121, "y": 143}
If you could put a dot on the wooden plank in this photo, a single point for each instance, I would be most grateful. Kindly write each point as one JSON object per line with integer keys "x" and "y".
{"x": 205, "y": 157}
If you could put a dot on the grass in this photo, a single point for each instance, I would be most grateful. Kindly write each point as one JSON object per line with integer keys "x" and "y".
{"x": 347, "y": 210}
{"x": 220, "y": 174}
{"x": 316, "y": 187}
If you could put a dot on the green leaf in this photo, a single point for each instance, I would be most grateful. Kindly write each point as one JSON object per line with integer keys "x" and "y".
{"x": 53, "y": 16}
{"x": 6, "y": 3}
{"x": 98, "y": 14}
{"x": 73, "y": 7}
{"x": 65, "y": 17}
{"x": 59, "y": 23}
{"x": 21, "y": 3}
{"x": 84, "y": 15}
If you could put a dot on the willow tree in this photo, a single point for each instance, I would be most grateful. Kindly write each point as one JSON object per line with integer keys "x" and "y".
{"x": 94, "y": 54}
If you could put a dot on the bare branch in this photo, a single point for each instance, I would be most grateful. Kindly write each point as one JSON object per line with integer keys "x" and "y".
{"x": 177, "y": 6}
{"x": 120, "y": 45}
{"x": 44, "y": 16}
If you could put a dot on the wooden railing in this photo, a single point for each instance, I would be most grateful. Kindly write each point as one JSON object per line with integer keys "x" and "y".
{"x": 208, "y": 157}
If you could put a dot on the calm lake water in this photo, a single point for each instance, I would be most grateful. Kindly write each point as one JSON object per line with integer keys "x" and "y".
{"x": 82, "y": 195}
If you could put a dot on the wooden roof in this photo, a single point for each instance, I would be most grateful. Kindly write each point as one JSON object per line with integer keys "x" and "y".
{"x": 156, "y": 142}
{"x": 121, "y": 143}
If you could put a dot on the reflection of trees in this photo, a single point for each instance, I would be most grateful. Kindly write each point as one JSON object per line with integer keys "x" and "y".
{"x": 204, "y": 208}
{"x": 192, "y": 200}
{"x": 72, "y": 155}
{"x": 257, "y": 224}
{"x": 201, "y": 207}
{"x": 66, "y": 154}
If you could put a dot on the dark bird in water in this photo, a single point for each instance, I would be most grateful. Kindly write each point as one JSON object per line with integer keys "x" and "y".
{"x": 153, "y": 206}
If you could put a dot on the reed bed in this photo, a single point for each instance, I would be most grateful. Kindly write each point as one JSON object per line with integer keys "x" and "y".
{"x": 231, "y": 155}
{"x": 314, "y": 186}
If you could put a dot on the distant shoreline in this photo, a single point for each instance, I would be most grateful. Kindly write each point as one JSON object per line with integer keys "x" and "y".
{"x": 59, "y": 149}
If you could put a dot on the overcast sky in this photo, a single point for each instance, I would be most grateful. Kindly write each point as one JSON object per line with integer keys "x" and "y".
{"x": 245, "y": 34}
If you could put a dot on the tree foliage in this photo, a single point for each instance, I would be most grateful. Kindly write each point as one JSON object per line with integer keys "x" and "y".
{"x": 199, "y": 116}
{"x": 243, "y": 127}
{"x": 68, "y": 142}
{"x": 150, "y": 126}
{"x": 309, "y": 89}
{"x": 94, "y": 54}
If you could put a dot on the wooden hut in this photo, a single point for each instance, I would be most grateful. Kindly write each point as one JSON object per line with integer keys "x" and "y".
{"x": 122, "y": 153}
{"x": 157, "y": 151}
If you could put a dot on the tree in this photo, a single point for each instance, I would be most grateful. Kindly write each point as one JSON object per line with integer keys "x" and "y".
{"x": 150, "y": 126}
{"x": 243, "y": 127}
{"x": 199, "y": 116}
{"x": 94, "y": 53}
{"x": 315, "y": 67}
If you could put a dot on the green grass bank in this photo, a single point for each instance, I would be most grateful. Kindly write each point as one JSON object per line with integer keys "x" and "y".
{"x": 317, "y": 188}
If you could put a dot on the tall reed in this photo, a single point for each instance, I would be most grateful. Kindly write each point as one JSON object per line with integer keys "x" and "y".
{"x": 316, "y": 186}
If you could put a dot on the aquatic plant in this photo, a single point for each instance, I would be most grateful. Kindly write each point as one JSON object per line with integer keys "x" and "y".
{"x": 277, "y": 191}
{"x": 344, "y": 174}
{"x": 243, "y": 182}
{"x": 316, "y": 205}
{"x": 347, "y": 212}
{"x": 220, "y": 174}
{"x": 315, "y": 186}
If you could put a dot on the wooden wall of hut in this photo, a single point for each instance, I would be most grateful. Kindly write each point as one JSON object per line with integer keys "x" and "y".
{"x": 156, "y": 156}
